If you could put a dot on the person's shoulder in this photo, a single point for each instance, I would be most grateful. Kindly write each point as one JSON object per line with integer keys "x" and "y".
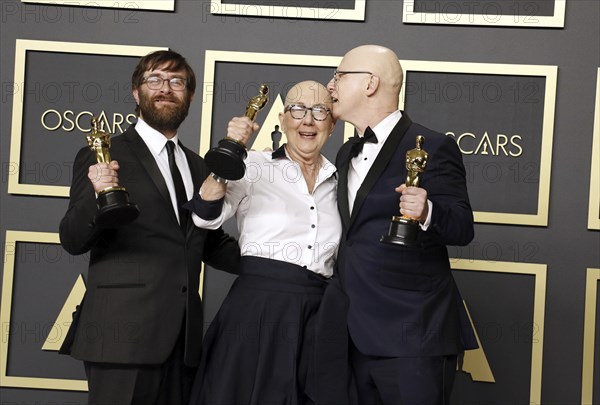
{"x": 426, "y": 131}
{"x": 259, "y": 156}
{"x": 123, "y": 136}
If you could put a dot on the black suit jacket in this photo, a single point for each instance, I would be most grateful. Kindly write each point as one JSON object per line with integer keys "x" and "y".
{"x": 404, "y": 302}
{"x": 143, "y": 279}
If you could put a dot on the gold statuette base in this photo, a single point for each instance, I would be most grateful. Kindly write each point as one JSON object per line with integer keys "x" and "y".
{"x": 227, "y": 159}
{"x": 403, "y": 232}
{"x": 114, "y": 208}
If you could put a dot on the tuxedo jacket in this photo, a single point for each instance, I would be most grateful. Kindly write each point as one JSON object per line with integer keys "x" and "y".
{"x": 404, "y": 301}
{"x": 142, "y": 281}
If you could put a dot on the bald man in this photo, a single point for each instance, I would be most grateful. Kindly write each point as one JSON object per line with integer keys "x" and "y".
{"x": 406, "y": 319}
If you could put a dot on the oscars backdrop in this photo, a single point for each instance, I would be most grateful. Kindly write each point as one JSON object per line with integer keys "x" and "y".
{"x": 515, "y": 83}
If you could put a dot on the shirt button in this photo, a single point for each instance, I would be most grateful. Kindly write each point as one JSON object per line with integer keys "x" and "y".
{"x": 183, "y": 289}
{"x": 312, "y": 226}
{"x": 312, "y": 208}
{"x": 310, "y": 246}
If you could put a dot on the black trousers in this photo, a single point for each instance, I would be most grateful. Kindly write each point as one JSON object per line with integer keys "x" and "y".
{"x": 129, "y": 384}
{"x": 402, "y": 380}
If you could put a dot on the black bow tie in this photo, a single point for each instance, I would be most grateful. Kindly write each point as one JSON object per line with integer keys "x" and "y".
{"x": 358, "y": 142}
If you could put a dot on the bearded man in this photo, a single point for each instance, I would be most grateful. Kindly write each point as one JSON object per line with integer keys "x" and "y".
{"x": 139, "y": 327}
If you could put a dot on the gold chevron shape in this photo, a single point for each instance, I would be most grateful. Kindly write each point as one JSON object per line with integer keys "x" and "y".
{"x": 65, "y": 317}
{"x": 475, "y": 361}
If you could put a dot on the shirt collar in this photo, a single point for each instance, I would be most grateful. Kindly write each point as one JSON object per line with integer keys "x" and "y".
{"x": 153, "y": 139}
{"x": 327, "y": 167}
{"x": 385, "y": 126}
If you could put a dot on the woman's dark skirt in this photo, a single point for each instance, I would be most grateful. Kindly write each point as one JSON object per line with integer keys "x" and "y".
{"x": 279, "y": 338}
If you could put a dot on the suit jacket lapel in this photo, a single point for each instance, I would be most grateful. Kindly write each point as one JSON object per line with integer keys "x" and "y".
{"x": 343, "y": 163}
{"x": 141, "y": 151}
{"x": 383, "y": 158}
{"x": 198, "y": 176}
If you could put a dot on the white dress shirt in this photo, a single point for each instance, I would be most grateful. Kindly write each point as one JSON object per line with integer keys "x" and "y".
{"x": 157, "y": 143}
{"x": 276, "y": 215}
{"x": 360, "y": 165}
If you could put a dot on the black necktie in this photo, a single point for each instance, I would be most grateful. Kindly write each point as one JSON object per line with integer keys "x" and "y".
{"x": 358, "y": 142}
{"x": 179, "y": 187}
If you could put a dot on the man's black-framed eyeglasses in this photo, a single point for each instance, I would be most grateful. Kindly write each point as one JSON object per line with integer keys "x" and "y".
{"x": 298, "y": 111}
{"x": 156, "y": 83}
{"x": 338, "y": 73}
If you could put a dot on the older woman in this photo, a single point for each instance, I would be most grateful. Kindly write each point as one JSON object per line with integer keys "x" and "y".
{"x": 279, "y": 337}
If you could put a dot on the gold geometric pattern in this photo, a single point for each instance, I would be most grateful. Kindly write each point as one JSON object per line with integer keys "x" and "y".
{"x": 65, "y": 316}
{"x": 589, "y": 336}
{"x": 293, "y": 10}
{"x": 211, "y": 58}
{"x": 447, "y": 13}
{"x": 162, "y": 5}
{"x": 539, "y": 305}
{"x": 594, "y": 206}
{"x": 550, "y": 73}
{"x": 475, "y": 361}
{"x": 22, "y": 47}
{"x": 12, "y": 238}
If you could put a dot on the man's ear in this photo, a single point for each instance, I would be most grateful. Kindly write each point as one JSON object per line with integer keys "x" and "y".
{"x": 281, "y": 116}
{"x": 372, "y": 85}
{"x": 136, "y": 95}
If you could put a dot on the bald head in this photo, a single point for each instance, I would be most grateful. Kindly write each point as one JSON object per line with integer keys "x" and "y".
{"x": 308, "y": 90}
{"x": 367, "y": 86}
{"x": 380, "y": 61}
{"x": 383, "y": 63}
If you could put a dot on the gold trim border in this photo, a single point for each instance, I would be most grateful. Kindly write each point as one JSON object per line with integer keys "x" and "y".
{"x": 320, "y": 13}
{"x": 212, "y": 57}
{"x": 555, "y": 21}
{"x": 589, "y": 336}
{"x": 162, "y": 5}
{"x": 593, "y": 213}
{"x": 12, "y": 238}
{"x": 539, "y": 271}
{"x": 551, "y": 74}
{"x": 24, "y": 45}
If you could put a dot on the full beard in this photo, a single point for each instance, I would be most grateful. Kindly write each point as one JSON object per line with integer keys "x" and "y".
{"x": 166, "y": 118}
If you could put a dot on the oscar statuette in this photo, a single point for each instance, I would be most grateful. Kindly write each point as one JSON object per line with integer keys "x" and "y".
{"x": 114, "y": 208}
{"x": 227, "y": 159}
{"x": 404, "y": 229}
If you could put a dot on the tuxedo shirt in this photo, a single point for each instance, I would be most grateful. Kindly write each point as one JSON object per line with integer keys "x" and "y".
{"x": 157, "y": 144}
{"x": 361, "y": 164}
